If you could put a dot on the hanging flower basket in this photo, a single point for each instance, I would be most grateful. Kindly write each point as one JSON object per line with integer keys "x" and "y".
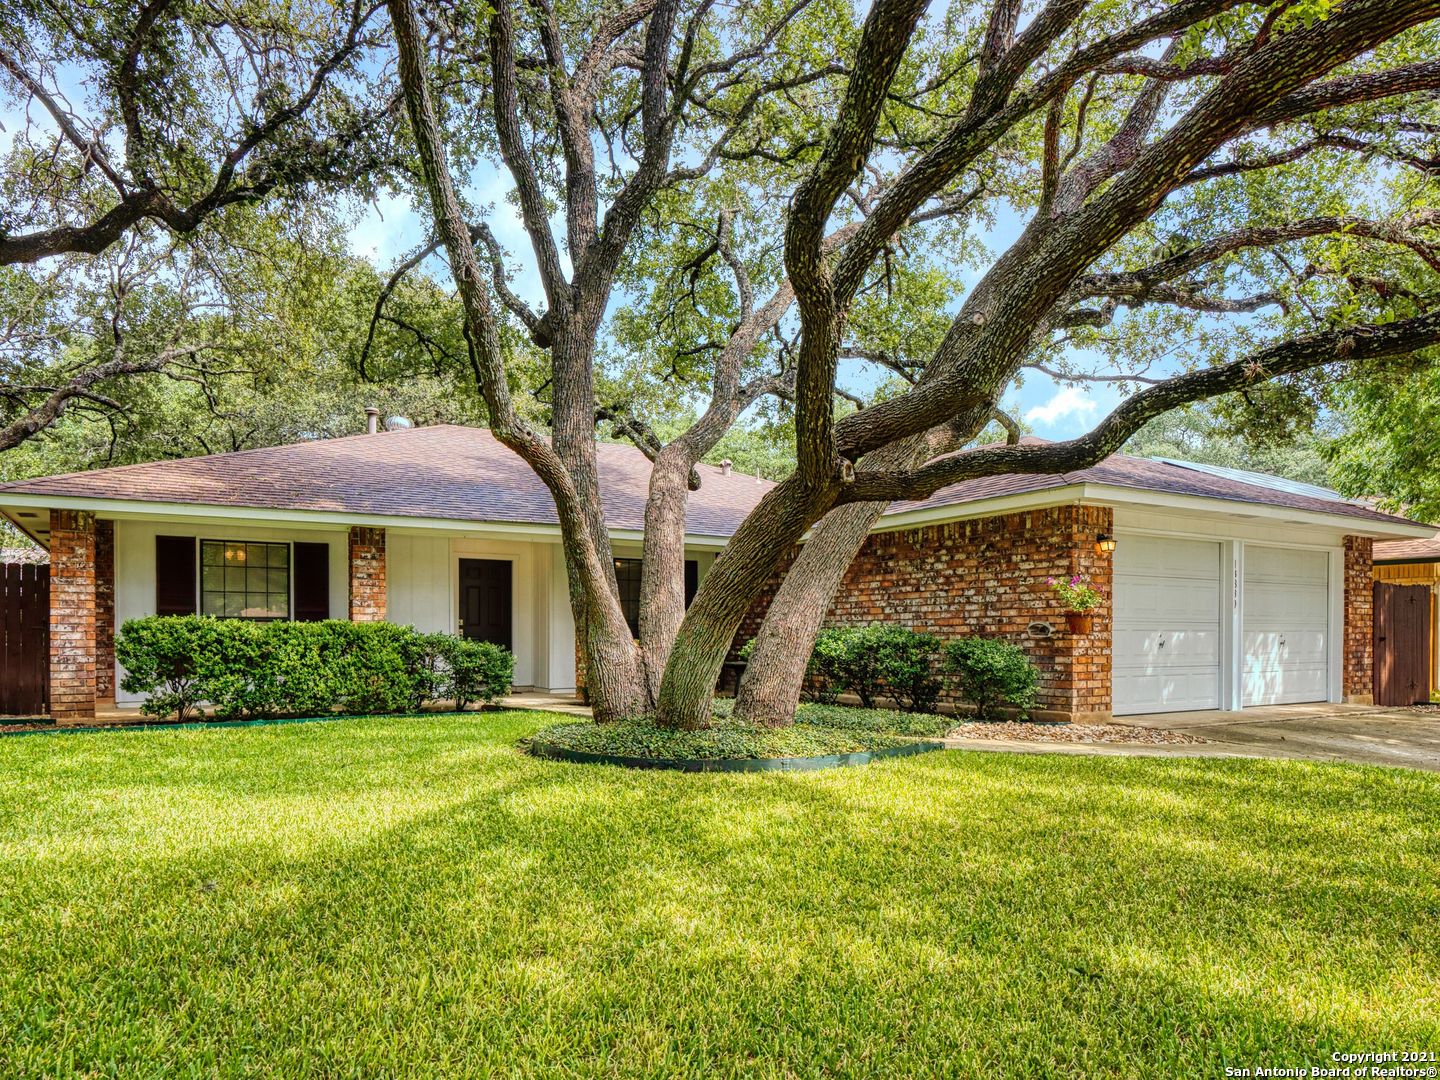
{"x": 1081, "y": 597}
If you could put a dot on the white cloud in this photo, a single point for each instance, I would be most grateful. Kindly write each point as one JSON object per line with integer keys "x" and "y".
{"x": 1067, "y": 401}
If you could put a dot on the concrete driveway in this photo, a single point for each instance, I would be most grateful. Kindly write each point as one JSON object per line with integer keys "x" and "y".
{"x": 1356, "y": 733}
{"x": 1361, "y": 734}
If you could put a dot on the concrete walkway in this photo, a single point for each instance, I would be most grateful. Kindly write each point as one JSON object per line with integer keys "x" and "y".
{"x": 1360, "y": 734}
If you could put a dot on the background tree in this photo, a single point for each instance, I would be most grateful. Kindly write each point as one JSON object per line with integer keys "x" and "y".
{"x": 150, "y": 126}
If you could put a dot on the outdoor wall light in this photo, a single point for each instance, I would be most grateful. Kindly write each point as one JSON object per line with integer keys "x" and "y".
{"x": 1104, "y": 544}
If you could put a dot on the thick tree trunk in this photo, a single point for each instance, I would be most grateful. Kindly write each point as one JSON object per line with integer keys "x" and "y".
{"x": 775, "y": 525}
{"x": 662, "y": 580}
{"x": 614, "y": 671}
{"x": 775, "y": 673}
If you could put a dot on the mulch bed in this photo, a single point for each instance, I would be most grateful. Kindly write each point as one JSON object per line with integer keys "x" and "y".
{"x": 1071, "y": 733}
{"x": 25, "y": 725}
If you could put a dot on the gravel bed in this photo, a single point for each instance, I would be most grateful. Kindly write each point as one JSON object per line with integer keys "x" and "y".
{"x": 1070, "y": 733}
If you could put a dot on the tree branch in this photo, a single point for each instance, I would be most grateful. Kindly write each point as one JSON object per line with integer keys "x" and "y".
{"x": 1352, "y": 345}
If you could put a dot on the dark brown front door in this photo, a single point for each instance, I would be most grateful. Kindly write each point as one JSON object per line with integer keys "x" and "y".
{"x": 485, "y": 590}
{"x": 1402, "y": 644}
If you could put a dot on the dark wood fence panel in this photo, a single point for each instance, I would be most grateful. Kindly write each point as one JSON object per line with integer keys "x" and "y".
{"x": 24, "y": 639}
{"x": 1402, "y": 644}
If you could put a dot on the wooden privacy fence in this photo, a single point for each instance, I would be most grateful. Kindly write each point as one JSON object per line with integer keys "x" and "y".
{"x": 24, "y": 639}
{"x": 1402, "y": 644}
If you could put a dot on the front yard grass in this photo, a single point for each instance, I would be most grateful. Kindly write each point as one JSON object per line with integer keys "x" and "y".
{"x": 412, "y": 896}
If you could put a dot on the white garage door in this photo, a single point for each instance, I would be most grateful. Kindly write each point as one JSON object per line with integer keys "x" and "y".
{"x": 1287, "y": 626}
{"x": 1166, "y": 625}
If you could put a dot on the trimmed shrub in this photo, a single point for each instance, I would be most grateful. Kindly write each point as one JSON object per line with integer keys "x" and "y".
{"x": 991, "y": 673}
{"x": 253, "y": 669}
{"x": 872, "y": 661}
{"x": 159, "y": 657}
{"x": 474, "y": 670}
{"x": 883, "y": 659}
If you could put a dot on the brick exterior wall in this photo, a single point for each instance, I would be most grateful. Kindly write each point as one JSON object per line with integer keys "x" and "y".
{"x": 1359, "y": 651}
{"x": 105, "y": 610}
{"x": 72, "y": 616}
{"x": 988, "y": 576}
{"x": 367, "y": 574}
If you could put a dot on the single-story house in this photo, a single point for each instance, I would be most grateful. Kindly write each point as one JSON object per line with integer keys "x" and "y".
{"x": 1224, "y": 590}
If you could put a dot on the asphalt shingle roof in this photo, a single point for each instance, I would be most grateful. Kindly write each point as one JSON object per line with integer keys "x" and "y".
{"x": 446, "y": 471}
{"x": 1144, "y": 474}
{"x": 459, "y": 473}
{"x": 1408, "y": 550}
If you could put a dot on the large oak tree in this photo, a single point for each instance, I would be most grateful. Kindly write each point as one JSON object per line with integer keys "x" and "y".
{"x": 1097, "y": 119}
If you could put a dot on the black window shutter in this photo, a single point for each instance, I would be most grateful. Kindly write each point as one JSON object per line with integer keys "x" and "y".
{"x": 692, "y": 580}
{"x": 174, "y": 575}
{"x": 312, "y": 582}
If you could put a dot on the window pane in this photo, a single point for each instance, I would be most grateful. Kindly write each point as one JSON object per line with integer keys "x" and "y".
{"x": 243, "y": 580}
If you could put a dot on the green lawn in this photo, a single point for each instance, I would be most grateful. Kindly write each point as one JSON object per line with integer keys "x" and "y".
{"x": 413, "y": 896}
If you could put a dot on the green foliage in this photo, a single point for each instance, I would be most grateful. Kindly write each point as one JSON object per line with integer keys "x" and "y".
{"x": 474, "y": 670}
{"x": 991, "y": 673}
{"x": 244, "y": 668}
{"x": 1077, "y": 592}
{"x": 1391, "y": 441}
{"x": 887, "y": 721}
{"x": 818, "y": 731}
{"x": 169, "y": 659}
{"x": 876, "y": 661}
{"x": 1212, "y": 435}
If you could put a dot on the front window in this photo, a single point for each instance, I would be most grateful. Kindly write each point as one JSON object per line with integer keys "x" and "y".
{"x": 244, "y": 580}
{"x": 627, "y": 576}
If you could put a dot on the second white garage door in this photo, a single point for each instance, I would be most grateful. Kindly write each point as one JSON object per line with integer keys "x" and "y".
{"x": 1287, "y": 626}
{"x": 1166, "y": 625}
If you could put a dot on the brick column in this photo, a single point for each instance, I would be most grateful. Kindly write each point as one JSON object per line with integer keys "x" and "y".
{"x": 105, "y": 610}
{"x": 72, "y": 616}
{"x": 1359, "y": 640}
{"x": 367, "y": 574}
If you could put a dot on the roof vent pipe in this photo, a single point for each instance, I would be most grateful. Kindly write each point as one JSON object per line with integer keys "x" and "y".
{"x": 372, "y": 420}
{"x": 725, "y": 464}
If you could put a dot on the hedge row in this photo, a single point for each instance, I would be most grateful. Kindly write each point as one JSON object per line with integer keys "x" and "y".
{"x": 908, "y": 666}
{"x": 253, "y": 669}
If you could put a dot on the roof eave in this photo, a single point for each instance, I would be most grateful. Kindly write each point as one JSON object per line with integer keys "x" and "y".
{"x": 1117, "y": 495}
{"x": 139, "y": 510}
